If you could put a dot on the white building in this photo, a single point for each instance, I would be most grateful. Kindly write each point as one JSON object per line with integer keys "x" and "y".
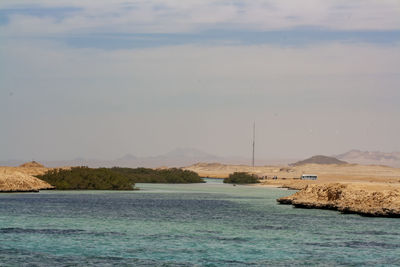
{"x": 309, "y": 177}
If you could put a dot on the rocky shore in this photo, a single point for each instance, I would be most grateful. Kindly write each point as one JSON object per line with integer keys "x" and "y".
{"x": 21, "y": 179}
{"x": 363, "y": 199}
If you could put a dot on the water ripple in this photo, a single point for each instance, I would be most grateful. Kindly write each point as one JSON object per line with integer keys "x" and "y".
{"x": 15, "y": 230}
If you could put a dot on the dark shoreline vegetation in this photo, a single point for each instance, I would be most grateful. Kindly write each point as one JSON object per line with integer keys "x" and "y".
{"x": 241, "y": 178}
{"x": 87, "y": 178}
{"x": 170, "y": 176}
{"x": 84, "y": 178}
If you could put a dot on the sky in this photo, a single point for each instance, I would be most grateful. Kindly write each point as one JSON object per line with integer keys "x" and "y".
{"x": 100, "y": 79}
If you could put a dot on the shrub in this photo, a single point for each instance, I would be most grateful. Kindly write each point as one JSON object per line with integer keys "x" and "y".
{"x": 145, "y": 175}
{"x": 241, "y": 178}
{"x": 87, "y": 178}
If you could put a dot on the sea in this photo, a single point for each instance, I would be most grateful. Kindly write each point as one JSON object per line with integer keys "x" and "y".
{"x": 210, "y": 224}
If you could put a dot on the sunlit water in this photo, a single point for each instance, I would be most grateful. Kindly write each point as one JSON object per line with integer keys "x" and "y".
{"x": 198, "y": 224}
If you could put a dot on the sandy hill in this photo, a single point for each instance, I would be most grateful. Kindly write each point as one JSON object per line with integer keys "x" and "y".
{"x": 21, "y": 179}
{"x": 32, "y": 164}
{"x": 319, "y": 159}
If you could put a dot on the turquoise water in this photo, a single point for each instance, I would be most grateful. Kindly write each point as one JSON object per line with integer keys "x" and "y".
{"x": 210, "y": 224}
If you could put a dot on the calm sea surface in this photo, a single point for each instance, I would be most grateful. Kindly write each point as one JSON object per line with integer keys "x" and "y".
{"x": 184, "y": 225}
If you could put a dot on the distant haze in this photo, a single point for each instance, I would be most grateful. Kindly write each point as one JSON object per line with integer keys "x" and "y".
{"x": 182, "y": 157}
{"x": 102, "y": 79}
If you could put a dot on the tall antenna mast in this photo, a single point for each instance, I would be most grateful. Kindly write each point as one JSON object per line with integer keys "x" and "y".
{"x": 254, "y": 142}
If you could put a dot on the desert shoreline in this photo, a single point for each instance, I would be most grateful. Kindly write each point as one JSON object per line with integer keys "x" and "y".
{"x": 368, "y": 190}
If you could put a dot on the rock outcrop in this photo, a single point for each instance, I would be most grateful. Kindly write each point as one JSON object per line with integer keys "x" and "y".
{"x": 21, "y": 179}
{"x": 348, "y": 198}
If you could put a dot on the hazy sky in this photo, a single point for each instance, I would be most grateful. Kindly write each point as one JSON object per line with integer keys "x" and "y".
{"x": 100, "y": 78}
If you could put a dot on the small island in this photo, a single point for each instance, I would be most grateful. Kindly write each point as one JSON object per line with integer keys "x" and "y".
{"x": 116, "y": 178}
{"x": 84, "y": 178}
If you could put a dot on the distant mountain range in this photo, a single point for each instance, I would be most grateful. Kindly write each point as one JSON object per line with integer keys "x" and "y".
{"x": 374, "y": 157}
{"x": 181, "y": 157}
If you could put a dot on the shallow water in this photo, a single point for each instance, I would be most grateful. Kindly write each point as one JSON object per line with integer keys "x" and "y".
{"x": 198, "y": 224}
